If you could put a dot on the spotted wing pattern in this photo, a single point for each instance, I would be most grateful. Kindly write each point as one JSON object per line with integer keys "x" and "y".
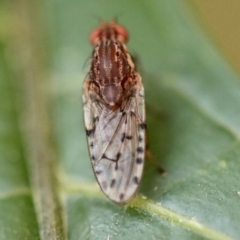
{"x": 116, "y": 140}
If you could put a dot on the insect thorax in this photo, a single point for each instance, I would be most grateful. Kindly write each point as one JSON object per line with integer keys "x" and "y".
{"x": 112, "y": 71}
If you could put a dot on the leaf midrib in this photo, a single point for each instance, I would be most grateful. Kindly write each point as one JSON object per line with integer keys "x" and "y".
{"x": 70, "y": 187}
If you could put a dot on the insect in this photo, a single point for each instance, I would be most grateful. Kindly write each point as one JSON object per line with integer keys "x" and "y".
{"x": 114, "y": 114}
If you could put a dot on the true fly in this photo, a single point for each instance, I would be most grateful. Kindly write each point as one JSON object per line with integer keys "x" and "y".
{"x": 114, "y": 114}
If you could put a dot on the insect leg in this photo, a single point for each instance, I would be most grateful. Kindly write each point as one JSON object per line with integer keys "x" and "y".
{"x": 154, "y": 161}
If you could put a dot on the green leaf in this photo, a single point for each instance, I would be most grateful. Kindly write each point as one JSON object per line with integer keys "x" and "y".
{"x": 193, "y": 112}
{"x": 17, "y": 216}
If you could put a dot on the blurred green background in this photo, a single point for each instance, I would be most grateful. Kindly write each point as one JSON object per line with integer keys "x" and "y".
{"x": 186, "y": 52}
{"x": 220, "y": 20}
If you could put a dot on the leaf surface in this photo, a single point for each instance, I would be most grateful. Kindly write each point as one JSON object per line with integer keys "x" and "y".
{"x": 193, "y": 112}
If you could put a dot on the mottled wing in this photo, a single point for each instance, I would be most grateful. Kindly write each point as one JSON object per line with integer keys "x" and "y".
{"x": 116, "y": 140}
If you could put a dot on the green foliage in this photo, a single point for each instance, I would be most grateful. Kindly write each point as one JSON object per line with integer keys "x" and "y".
{"x": 193, "y": 112}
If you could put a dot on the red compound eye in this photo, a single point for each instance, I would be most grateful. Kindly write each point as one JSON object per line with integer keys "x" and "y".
{"x": 94, "y": 35}
{"x": 122, "y": 32}
{"x": 105, "y": 30}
